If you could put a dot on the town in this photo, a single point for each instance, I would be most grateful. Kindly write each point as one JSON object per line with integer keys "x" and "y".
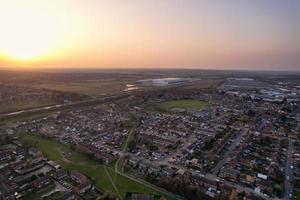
{"x": 236, "y": 140}
{"x": 149, "y": 100}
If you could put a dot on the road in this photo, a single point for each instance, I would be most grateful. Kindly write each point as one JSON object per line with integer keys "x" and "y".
{"x": 225, "y": 157}
{"x": 288, "y": 186}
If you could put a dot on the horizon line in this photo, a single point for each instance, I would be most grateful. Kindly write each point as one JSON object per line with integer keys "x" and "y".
{"x": 65, "y": 69}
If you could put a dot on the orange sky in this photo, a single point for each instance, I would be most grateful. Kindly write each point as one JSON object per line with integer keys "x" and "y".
{"x": 141, "y": 33}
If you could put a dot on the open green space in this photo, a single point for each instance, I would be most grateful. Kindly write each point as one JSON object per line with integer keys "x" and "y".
{"x": 53, "y": 151}
{"x": 186, "y": 104}
{"x": 90, "y": 88}
{"x": 24, "y": 105}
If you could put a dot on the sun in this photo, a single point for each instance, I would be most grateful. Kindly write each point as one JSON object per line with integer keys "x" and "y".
{"x": 24, "y": 50}
{"x": 26, "y": 33}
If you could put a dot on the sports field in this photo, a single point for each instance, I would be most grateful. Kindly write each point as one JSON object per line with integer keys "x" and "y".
{"x": 106, "y": 179}
{"x": 186, "y": 104}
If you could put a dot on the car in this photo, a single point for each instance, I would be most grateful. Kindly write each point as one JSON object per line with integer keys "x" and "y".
{"x": 219, "y": 180}
{"x": 291, "y": 195}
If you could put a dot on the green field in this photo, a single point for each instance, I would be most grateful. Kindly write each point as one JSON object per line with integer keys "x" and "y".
{"x": 186, "y": 104}
{"x": 24, "y": 105}
{"x": 99, "y": 173}
{"x": 90, "y": 88}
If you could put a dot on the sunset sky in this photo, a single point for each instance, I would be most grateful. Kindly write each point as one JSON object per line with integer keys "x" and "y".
{"x": 216, "y": 34}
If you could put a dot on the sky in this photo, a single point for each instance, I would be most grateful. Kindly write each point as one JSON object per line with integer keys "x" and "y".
{"x": 204, "y": 34}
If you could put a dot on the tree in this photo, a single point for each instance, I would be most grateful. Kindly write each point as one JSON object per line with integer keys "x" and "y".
{"x": 132, "y": 145}
{"x": 233, "y": 195}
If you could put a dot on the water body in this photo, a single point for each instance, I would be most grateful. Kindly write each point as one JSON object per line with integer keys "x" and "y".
{"x": 130, "y": 87}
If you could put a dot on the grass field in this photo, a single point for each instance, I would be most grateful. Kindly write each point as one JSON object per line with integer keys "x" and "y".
{"x": 186, "y": 104}
{"x": 52, "y": 150}
{"x": 24, "y": 105}
{"x": 93, "y": 88}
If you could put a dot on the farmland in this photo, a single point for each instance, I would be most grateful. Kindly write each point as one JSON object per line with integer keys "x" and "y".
{"x": 95, "y": 88}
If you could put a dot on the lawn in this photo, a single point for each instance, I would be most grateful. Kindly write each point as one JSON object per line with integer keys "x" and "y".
{"x": 186, "y": 104}
{"x": 51, "y": 149}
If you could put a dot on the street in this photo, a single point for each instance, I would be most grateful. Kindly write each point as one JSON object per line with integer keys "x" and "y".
{"x": 288, "y": 171}
{"x": 225, "y": 157}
